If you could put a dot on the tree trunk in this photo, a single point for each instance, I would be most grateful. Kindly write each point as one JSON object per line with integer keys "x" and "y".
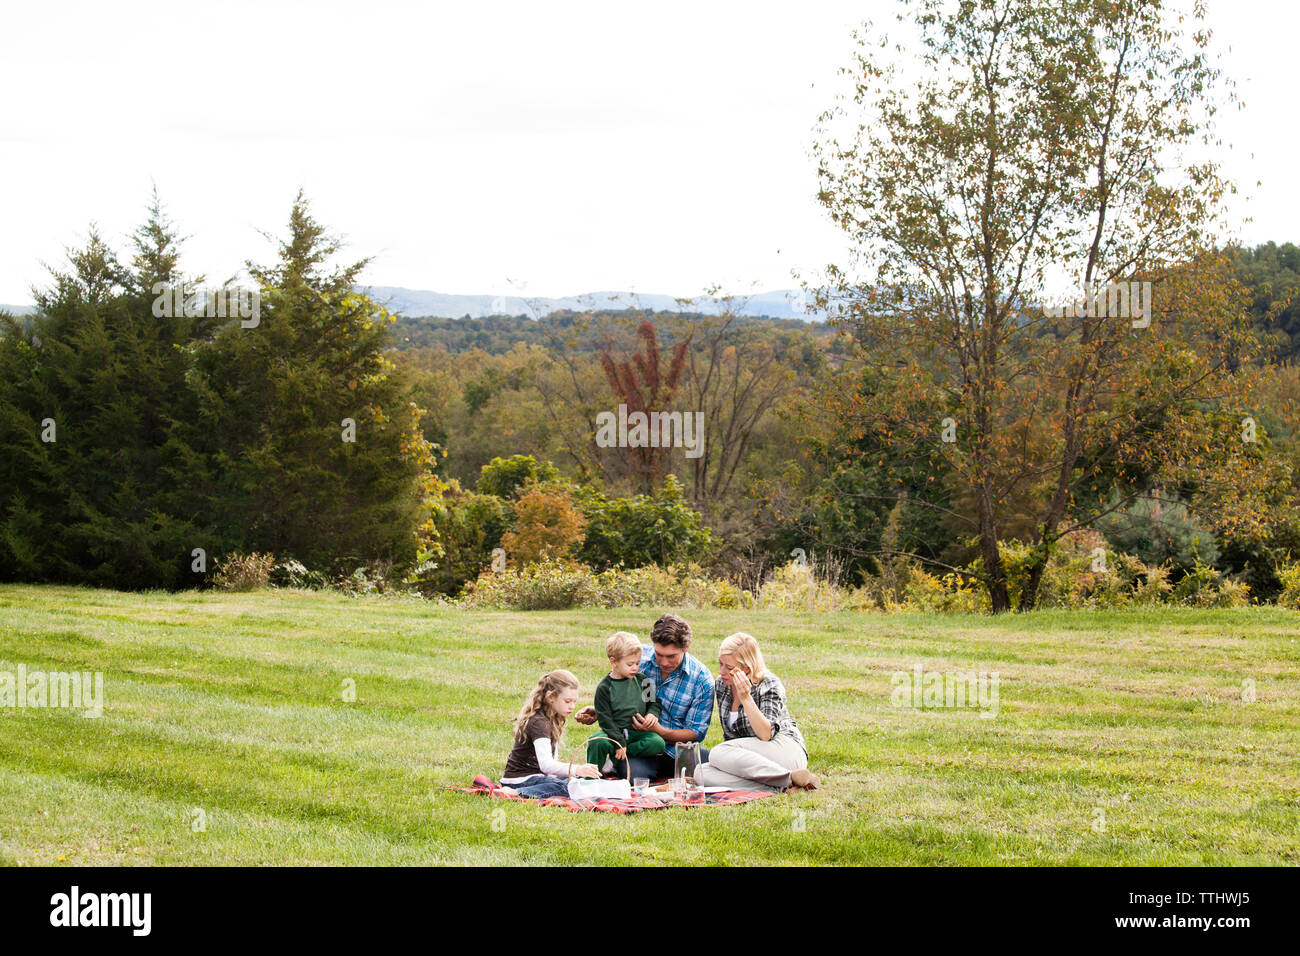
{"x": 997, "y": 580}
{"x": 1055, "y": 512}
{"x": 1029, "y": 596}
{"x": 1037, "y": 567}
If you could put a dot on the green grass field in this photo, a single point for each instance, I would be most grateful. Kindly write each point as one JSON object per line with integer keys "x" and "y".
{"x": 1120, "y": 738}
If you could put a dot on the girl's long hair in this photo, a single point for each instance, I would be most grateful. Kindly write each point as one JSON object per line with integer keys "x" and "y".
{"x": 549, "y": 684}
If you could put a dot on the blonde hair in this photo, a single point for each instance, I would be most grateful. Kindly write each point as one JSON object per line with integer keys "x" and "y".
{"x": 621, "y": 644}
{"x": 747, "y": 655}
{"x": 539, "y": 701}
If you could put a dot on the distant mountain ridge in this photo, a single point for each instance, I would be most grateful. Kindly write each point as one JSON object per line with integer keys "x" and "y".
{"x": 780, "y": 304}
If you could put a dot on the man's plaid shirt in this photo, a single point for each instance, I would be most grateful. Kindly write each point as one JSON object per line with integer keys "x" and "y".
{"x": 769, "y": 695}
{"x": 686, "y": 696}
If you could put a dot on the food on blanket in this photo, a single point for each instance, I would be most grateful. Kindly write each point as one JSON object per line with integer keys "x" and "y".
{"x": 665, "y": 798}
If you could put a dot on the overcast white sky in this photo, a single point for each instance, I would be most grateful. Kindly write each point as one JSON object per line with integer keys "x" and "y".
{"x": 498, "y": 148}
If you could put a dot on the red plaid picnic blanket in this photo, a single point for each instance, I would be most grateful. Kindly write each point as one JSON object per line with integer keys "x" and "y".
{"x": 634, "y": 804}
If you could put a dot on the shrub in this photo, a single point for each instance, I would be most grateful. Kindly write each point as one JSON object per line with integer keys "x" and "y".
{"x": 547, "y": 525}
{"x": 540, "y": 586}
{"x": 950, "y": 594}
{"x": 1081, "y": 572}
{"x": 421, "y": 577}
{"x": 1289, "y": 577}
{"x": 1154, "y": 586}
{"x": 1203, "y": 586}
{"x": 558, "y": 585}
{"x": 660, "y": 528}
{"x": 503, "y": 477}
{"x": 373, "y": 577}
{"x": 1071, "y": 582}
{"x": 1160, "y": 529}
{"x": 292, "y": 573}
{"x": 797, "y": 585}
{"x": 243, "y": 572}
{"x": 470, "y": 527}
{"x": 655, "y": 586}
{"x": 1232, "y": 593}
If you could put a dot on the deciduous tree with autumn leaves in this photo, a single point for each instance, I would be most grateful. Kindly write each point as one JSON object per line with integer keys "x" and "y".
{"x": 1031, "y": 138}
{"x": 643, "y": 384}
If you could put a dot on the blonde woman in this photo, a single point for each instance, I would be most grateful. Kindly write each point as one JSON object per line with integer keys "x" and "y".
{"x": 762, "y": 747}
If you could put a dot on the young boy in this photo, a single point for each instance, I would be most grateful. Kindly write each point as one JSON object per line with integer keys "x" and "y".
{"x": 620, "y": 695}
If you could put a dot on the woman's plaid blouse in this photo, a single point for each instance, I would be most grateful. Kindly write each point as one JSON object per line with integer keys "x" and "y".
{"x": 769, "y": 695}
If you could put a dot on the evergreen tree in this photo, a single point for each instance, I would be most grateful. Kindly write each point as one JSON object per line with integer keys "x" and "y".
{"x": 318, "y": 453}
{"x": 93, "y": 390}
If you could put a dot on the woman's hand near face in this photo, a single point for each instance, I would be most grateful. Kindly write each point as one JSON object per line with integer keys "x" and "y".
{"x": 740, "y": 685}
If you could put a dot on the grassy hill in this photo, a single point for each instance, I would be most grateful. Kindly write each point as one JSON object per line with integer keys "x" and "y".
{"x": 225, "y": 738}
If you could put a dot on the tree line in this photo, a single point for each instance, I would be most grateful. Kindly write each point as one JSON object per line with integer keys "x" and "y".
{"x": 141, "y": 446}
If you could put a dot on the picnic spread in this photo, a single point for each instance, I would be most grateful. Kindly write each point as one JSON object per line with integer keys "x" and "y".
{"x": 653, "y": 799}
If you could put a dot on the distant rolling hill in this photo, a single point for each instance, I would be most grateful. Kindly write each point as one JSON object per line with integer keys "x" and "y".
{"x": 781, "y": 304}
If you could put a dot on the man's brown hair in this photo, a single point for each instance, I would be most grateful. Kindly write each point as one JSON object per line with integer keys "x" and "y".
{"x": 672, "y": 631}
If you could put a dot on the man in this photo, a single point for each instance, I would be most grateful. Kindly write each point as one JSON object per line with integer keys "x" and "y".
{"x": 684, "y": 688}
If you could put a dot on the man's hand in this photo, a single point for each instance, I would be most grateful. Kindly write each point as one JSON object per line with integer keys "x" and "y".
{"x": 647, "y": 722}
{"x": 586, "y": 716}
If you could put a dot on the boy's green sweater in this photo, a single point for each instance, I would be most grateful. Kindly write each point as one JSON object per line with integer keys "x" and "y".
{"x": 617, "y": 699}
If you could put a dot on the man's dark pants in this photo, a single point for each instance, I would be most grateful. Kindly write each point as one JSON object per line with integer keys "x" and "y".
{"x": 656, "y": 768}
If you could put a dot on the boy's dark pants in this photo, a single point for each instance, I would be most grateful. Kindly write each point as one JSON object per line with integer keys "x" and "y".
{"x": 640, "y": 743}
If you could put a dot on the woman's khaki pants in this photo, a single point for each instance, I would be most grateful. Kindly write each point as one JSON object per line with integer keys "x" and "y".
{"x": 742, "y": 762}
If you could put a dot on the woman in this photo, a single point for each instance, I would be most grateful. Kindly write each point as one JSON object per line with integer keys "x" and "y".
{"x": 762, "y": 745}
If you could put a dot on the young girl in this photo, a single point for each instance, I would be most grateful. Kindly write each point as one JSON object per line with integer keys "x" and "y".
{"x": 532, "y": 769}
